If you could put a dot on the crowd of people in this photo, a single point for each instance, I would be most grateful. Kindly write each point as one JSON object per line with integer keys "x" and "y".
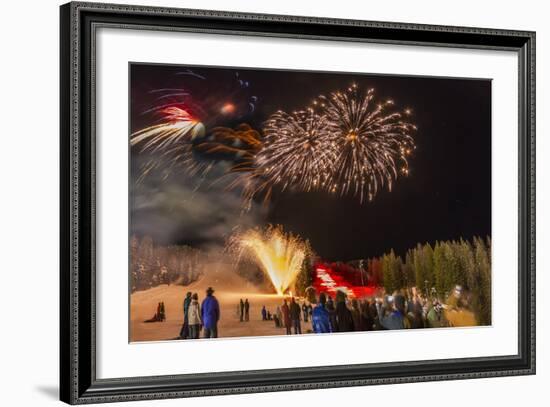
{"x": 403, "y": 309}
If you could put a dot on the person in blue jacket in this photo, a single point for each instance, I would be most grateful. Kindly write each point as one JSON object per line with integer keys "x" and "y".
{"x": 210, "y": 313}
{"x": 392, "y": 314}
{"x": 320, "y": 319}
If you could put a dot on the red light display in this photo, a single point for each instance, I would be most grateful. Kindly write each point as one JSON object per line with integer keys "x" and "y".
{"x": 329, "y": 278}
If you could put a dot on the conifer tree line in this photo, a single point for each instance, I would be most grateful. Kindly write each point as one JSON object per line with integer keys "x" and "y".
{"x": 151, "y": 265}
{"x": 436, "y": 270}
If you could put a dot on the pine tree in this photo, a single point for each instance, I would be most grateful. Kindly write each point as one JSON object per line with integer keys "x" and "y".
{"x": 481, "y": 284}
{"x": 408, "y": 270}
{"x": 418, "y": 262}
{"x": 377, "y": 272}
{"x": 397, "y": 270}
{"x": 464, "y": 254}
{"x": 428, "y": 265}
{"x": 387, "y": 273}
{"x": 392, "y": 266}
{"x": 452, "y": 262}
{"x": 439, "y": 268}
{"x": 448, "y": 268}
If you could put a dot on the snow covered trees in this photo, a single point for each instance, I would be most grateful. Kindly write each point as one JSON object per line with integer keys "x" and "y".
{"x": 152, "y": 265}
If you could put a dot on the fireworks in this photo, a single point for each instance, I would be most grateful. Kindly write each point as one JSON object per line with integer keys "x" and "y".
{"x": 297, "y": 151}
{"x": 373, "y": 142}
{"x": 240, "y": 143}
{"x": 170, "y": 143}
{"x": 346, "y": 143}
{"x": 280, "y": 255}
{"x": 240, "y": 146}
{"x": 178, "y": 127}
{"x": 187, "y": 114}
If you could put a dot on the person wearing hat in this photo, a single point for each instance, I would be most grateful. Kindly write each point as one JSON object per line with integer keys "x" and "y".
{"x": 210, "y": 313}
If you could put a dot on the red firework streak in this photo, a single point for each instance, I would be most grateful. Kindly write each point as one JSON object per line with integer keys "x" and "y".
{"x": 328, "y": 278}
{"x": 176, "y": 114}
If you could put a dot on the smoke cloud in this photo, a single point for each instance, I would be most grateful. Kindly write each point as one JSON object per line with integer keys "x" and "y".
{"x": 196, "y": 211}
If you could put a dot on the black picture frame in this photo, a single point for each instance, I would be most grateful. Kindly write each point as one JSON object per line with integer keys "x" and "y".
{"x": 78, "y": 381}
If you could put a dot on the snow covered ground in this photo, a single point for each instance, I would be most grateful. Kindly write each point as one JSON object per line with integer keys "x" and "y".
{"x": 229, "y": 289}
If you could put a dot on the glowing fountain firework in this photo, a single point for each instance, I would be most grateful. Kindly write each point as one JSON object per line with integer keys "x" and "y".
{"x": 280, "y": 255}
{"x": 373, "y": 142}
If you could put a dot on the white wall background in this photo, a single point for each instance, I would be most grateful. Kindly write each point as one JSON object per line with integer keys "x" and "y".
{"x": 29, "y": 162}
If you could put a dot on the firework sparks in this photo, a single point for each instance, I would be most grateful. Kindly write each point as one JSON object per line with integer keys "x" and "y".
{"x": 297, "y": 152}
{"x": 191, "y": 122}
{"x": 346, "y": 143}
{"x": 178, "y": 126}
{"x": 239, "y": 145}
{"x": 280, "y": 255}
{"x": 373, "y": 142}
{"x": 242, "y": 142}
{"x": 170, "y": 143}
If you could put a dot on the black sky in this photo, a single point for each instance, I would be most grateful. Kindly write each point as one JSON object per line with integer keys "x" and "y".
{"x": 446, "y": 196}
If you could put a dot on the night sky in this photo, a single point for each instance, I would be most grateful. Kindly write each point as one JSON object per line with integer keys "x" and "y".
{"x": 447, "y": 194}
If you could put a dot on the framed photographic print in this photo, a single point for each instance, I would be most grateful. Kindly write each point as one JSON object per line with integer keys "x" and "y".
{"x": 256, "y": 203}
